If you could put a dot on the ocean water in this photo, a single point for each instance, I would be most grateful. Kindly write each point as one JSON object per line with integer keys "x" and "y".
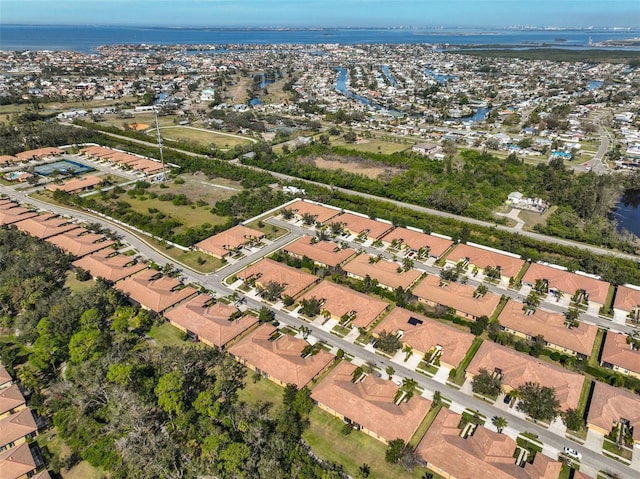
{"x": 87, "y": 38}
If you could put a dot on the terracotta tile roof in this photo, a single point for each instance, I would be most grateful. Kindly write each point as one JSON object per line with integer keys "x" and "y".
{"x": 627, "y": 299}
{"x": 384, "y": 271}
{"x": 42, "y": 475}
{"x": 415, "y": 241}
{"x": 104, "y": 264}
{"x": 16, "y": 426}
{"x": 369, "y": 403}
{"x": 10, "y": 398}
{"x": 98, "y": 151}
{"x": 616, "y": 351}
{"x": 80, "y": 242}
{"x": 210, "y": 321}
{"x": 45, "y": 226}
{"x": 482, "y": 258}
{"x": 340, "y": 300}
{"x": 609, "y": 404}
{"x": 323, "y": 252}
{"x": 8, "y": 159}
{"x": 5, "y": 377}
{"x": 39, "y": 153}
{"x": 221, "y": 244}
{"x": 361, "y": 224}
{"x": 551, "y": 325}
{"x": 155, "y": 294}
{"x": 281, "y": 358}
{"x": 12, "y": 213}
{"x": 567, "y": 282}
{"x": 457, "y": 296}
{"x": 322, "y": 213}
{"x": 16, "y": 462}
{"x": 266, "y": 270}
{"x": 76, "y": 184}
{"x": 518, "y": 369}
{"x": 484, "y": 454}
{"x": 422, "y": 333}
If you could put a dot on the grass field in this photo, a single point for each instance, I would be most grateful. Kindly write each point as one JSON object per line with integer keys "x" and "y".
{"x": 168, "y": 335}
{"x": 373, "y": 145}
{"x": 195, "y": 260}
{"x": 261, "y": 390}
{"x": 77, "y": 286}
{"x": 532, "y": 218}
{"x": 327, "y": 441}
{"x": 273, "y": 232}
{"x": 56, "y": 447}
{"x": 203, "y": 137}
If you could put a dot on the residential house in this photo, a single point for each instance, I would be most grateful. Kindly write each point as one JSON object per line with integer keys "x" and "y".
{"x": 229, "y": 241}
{"x": 155, "y": 292}
{"x": 427, "y": 337}
{"x": 46, "y": 225}
{"x": 80, "y": 242}
{"x": 568, "y": 283}
{"x": 454, "y": 454}
{"x": 266, "y": 270}
{"x": 76, "y": 185}
{"x": 363, "y": 226}
{"x": 11, "y": 401}
{"x": 389, "y": 274}
{"x": 38, "y": 153}
{"x": 16, "y": 428}
{"x": 214, "y": 323}
{"x": 17, "y": 462}
{"x": 370, "y": 404}
{"x": 11, "y": 213}
{"x": 628, "y": 302}
{"x": 516, "y": 369}
{"x": 110, "y": 266}
{"x": 416, "y": 241}
{"x": 481, "y": 258}
{"x": 5, "y": 378}
{"x": 6, "y": 160}
{"x": 321, "y": 213}
{"x": 462, "y": 298}
{"x": 576, "y": 340}
{"x": 610, "y": 407}
{"x": 621, "y": 353}
{"x": 322, "y": 253}
{"x": 280, "y": 357}
{"x": 346, "y": 305}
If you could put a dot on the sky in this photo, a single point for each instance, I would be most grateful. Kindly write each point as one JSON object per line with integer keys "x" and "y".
{"x": 323, "y": 13}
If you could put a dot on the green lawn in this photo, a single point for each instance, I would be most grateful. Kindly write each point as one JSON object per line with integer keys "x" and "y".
{"x": 373, "y": 145}
{"x": 424, "y": 426}
{"x": 195, "y": 260}
{"x": 273, "y": 232}
{"x": 327, "y": 442}
{"x": 460, "y": 370}
{"x": 57, "y": 448}
{"x": 167, "y": 335}
{"x": 597, "y": 346}
{"x": 77, "y": 286}
{"x": 261, "y": 390}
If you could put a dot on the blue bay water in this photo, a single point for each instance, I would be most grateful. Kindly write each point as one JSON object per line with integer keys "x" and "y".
{"x": 87, "y": 38}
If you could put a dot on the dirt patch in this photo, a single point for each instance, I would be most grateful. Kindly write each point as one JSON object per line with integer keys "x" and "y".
{"x": 198, "y": 186}
{"x": 138, "y": 126}
{"x": 361, "y": 166}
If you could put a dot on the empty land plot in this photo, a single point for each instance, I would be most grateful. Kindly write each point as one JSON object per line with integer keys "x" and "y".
{"x": 373, "y": 145}
{"x": 368, "y": 169}
{"x": 197, "y": 187}
{"x": 275, "y": 92}
{"x": 202, "y": 136}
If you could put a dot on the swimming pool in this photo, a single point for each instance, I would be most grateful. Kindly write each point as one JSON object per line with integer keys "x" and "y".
{"x": 63, "y": 166}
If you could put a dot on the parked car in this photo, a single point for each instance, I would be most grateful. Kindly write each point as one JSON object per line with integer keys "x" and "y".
{"x": 572, "y": 453}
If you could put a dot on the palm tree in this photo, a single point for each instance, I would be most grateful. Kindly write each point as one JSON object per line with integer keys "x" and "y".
{"x": 500, "y": 423}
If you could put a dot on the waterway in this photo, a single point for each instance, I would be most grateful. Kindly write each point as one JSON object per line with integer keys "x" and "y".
{"x": 387, "y": 73}
{"x": 627, "y": 212}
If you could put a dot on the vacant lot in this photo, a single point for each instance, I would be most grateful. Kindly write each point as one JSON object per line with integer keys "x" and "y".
{"x": 197, "y": 187}
{"x": 202, "y": 136}
{"x": 368, "y": 169}
{"x": 373, "y": 145}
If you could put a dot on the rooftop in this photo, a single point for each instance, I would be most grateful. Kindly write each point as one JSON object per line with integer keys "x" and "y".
{"x": 10, "y": 398}
{"x": 45, "y": 226}
{"x": 16, "y": 462}
{"x": 221, "y": 244}
{"x": 422, "y": 334}
{"x": 339, "y": 301}
{"x": 518, "y": 369}
{"x": 550, "y": 325}
{"x": 457, "y": 296}
{"x": 76, "y": 184}
{"x": 361, "y": 224}
{"x": 12, "y": 213}
{"x": 415, "y": 240}
{"x": 322, "y": 213}
{"x": 281, "y": 358}
{"x": 370, "y": 404}
{"x": 155, "y": 294}
{"x": 386, "y": 272}
{"x": 616, "y": 351}
{"x": 210, "y": 322}
{"x": 323, "y": 252}
{"x": 38, "y": 153}
{"x": 627, "y": 299}
{"x": 16, "y": 426}
{"x": 485, "y": 451}
{"x": 267, "y": 270}
{"x": 482, "y": 258}
{"x": 80, "y": 242}
{"x": 112, "y": 267}
{"x": 567, "y": 282}
{"x": 609, "y": 404}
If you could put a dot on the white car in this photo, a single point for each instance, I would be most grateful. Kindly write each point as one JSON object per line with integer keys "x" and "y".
{"x": 572, "y": 453}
